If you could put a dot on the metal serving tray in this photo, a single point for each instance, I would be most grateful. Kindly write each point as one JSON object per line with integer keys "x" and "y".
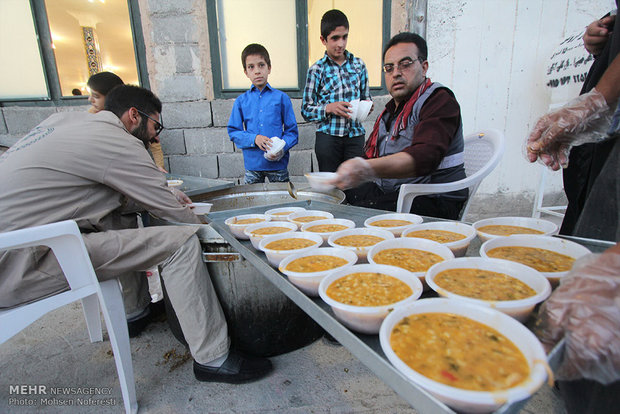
{"x": 365, "y": 347}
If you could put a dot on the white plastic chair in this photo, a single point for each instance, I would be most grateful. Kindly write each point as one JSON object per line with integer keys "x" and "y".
{"x": 483, "y": 150}
{"x": 66, "y": 242}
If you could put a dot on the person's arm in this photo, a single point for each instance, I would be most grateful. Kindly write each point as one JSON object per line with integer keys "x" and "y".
{"x": 236, "y": 130}
{"x": 310, "y": 108}
{"x": 290, "y": 133}
{"x": 364, "y": 87}
{"x": 609, "y": 84}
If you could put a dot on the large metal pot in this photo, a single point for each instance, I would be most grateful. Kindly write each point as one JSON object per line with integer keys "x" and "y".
{"x": 261, "y": 319}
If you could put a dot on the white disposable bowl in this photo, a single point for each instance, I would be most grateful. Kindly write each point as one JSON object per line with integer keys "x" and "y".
{"x": 282, "y": 217}
{"x": 318, "y": 180}
{"x": 413, "y": 218}
{"x": 174, "y": 183}
{"x": 237, "y": 229}
{"x": 367, "y": 319}
{"x": 276, "y": 256}
{"x": 518, "y": 309}
{"x": 344, "y": 222}
{"x": 457, "y": 398}
{"x": 309, "y": 282}
{"x": 555, "y": 244}
{"x": 363, "y": 110}
{"x": 256, "y": 238}
{"x": 548, "y": 228}
{"x": 459, "y": 247}
{"x": 411, "y": 243}
{"x": 306, "y": 213}
{"x": 201, "y": 208}
{"x": 361, "y": 252}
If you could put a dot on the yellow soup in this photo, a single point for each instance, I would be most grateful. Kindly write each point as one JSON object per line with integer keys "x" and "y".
{"x": 501, "y": 230}
{"x": 441, "y": 236}
{"x": 290, "y": 244}
{"x": 248, "y": 221}
{"x": 326, "y": 228}
{"x": 317, "y": 263}
{"x": 390, "y": 223}
{"x": 282, "y": 213}
{"x": 358, "y": 240}
{"x": 459, "y": 352}
{"x": 483, "y": 284}
{"x": 308, "y": 219}
{"x": 542, "y": 260}
{"x": 411, "y": 259}
{"x": 270, "y": 230}
{"x": 368, "y": 289}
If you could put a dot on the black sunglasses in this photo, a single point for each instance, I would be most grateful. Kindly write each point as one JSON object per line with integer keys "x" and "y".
{"x": 158, "y": 125}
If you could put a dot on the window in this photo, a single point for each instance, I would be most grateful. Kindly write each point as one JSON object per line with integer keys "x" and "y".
{"x": 290, "y": 30}
{"x": 59, "y": 44}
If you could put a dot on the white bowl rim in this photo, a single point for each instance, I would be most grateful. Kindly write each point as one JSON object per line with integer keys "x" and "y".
{"x": 416, "y": 219}
{"x": 465, "y": 229}
{"x": 394, "y": 271}
{"x": 373, "y": 231}
{"x": 293, "y": 209}
{"x": 245, "y": 216}
{"x": 547, "y": 226}
{"x": 489, "y": 263}
{"x": 422, "y": 244}
{"x": 276, "y": 223}
{"x": 519, "y": 392}
{"x": 294, "y": 235}
{"x": 342, "y": 221}
{"x": 326, "y": 251}
{"x": 321, "y": 175}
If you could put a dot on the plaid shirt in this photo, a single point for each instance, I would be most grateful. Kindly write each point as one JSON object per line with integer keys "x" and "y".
{"x": 329, "y": 82}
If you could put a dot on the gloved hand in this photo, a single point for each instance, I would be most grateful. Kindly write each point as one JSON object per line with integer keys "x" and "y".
{"x": 556, "y": 132}
{"x": 275, "y": 157}
{"x": 353, "y": 173}
{"x": 181, "y": 196}
{"x": 585, "y": 310}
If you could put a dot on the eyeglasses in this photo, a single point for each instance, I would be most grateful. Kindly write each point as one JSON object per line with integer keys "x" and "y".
{"x": 402, "y": 65}
{"x": 158, "y": 125}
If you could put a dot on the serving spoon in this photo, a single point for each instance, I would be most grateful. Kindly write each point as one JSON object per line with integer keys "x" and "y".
{"x": 291, "y": 190}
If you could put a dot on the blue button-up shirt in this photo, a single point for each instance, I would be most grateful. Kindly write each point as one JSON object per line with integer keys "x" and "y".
{"x": 329, "y": 82}
{"x": 268, "y": 112}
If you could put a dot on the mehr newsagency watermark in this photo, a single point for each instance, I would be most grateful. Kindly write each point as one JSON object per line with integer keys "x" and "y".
{"x": 39, "y": 395}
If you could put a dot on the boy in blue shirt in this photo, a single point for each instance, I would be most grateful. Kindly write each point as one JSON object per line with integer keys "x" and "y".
{"x": 332, "y": 83}
{"x": 259, "y": 114}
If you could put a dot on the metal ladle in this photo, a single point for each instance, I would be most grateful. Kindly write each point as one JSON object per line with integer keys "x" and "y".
{"x": 291, "y": 190}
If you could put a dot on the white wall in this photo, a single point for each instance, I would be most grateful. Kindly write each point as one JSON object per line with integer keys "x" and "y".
{"x": 493, "y": 55}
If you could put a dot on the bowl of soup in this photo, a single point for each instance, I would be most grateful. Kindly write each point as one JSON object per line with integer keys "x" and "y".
{"x": 361, "y": 296}
{"x": 412, "y": 254}
{"x": 302, "y": 217}
{"x": 551, "y": 256}
{"x": 279, "y": 246}
{"x": 492, "y": 228}
{"x": 509, "y": 287}
{"x": 237, "y": 224}
{"x": 282, "y": 213}
{"x": 455, "y": 235}
{"x": 320, "y": 180}
{"x": 472, "y": 358}
{"x": 174, "y": 183}
{"x": 256, "y": 232}
{"x": 359, "y": 240}
{"x": 201, "y": 208}
{"x": 394, "y": 222}
{"x": 306, "y": 269}
{"x": 326, "y": 228}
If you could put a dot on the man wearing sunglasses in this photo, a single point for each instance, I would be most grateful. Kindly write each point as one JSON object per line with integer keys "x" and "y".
{"x": 95, "y": 169}
{"x": 418, "y": 138}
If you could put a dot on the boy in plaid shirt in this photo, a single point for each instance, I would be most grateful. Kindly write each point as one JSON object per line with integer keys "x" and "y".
{"x": 332, "y": 82}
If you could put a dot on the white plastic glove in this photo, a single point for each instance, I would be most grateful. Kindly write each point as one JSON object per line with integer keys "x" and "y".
{"x": 181, "y": 196}
{"x": 573, "y": 124}
{"x": 353, "y": 173}
{"x": 275, "y": 157}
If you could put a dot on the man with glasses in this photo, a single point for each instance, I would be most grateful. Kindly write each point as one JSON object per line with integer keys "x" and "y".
{"x": 418, "y": 138}
{"x": 95, "y": 169}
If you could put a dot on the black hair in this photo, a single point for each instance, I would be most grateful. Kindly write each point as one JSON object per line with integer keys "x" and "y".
{"x": 331, "y": 20}
{"x": 123, "y": 97}
{"x": 103, "y": 82}
{"x": 255, "y": 49}
{"x": 408, "y": 37}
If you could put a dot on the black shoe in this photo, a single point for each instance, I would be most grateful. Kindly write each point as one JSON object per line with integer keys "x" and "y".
{"x": 153, "y": 312}
{"x": 330, "y": 339}
{"x": 236, "y": 369}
